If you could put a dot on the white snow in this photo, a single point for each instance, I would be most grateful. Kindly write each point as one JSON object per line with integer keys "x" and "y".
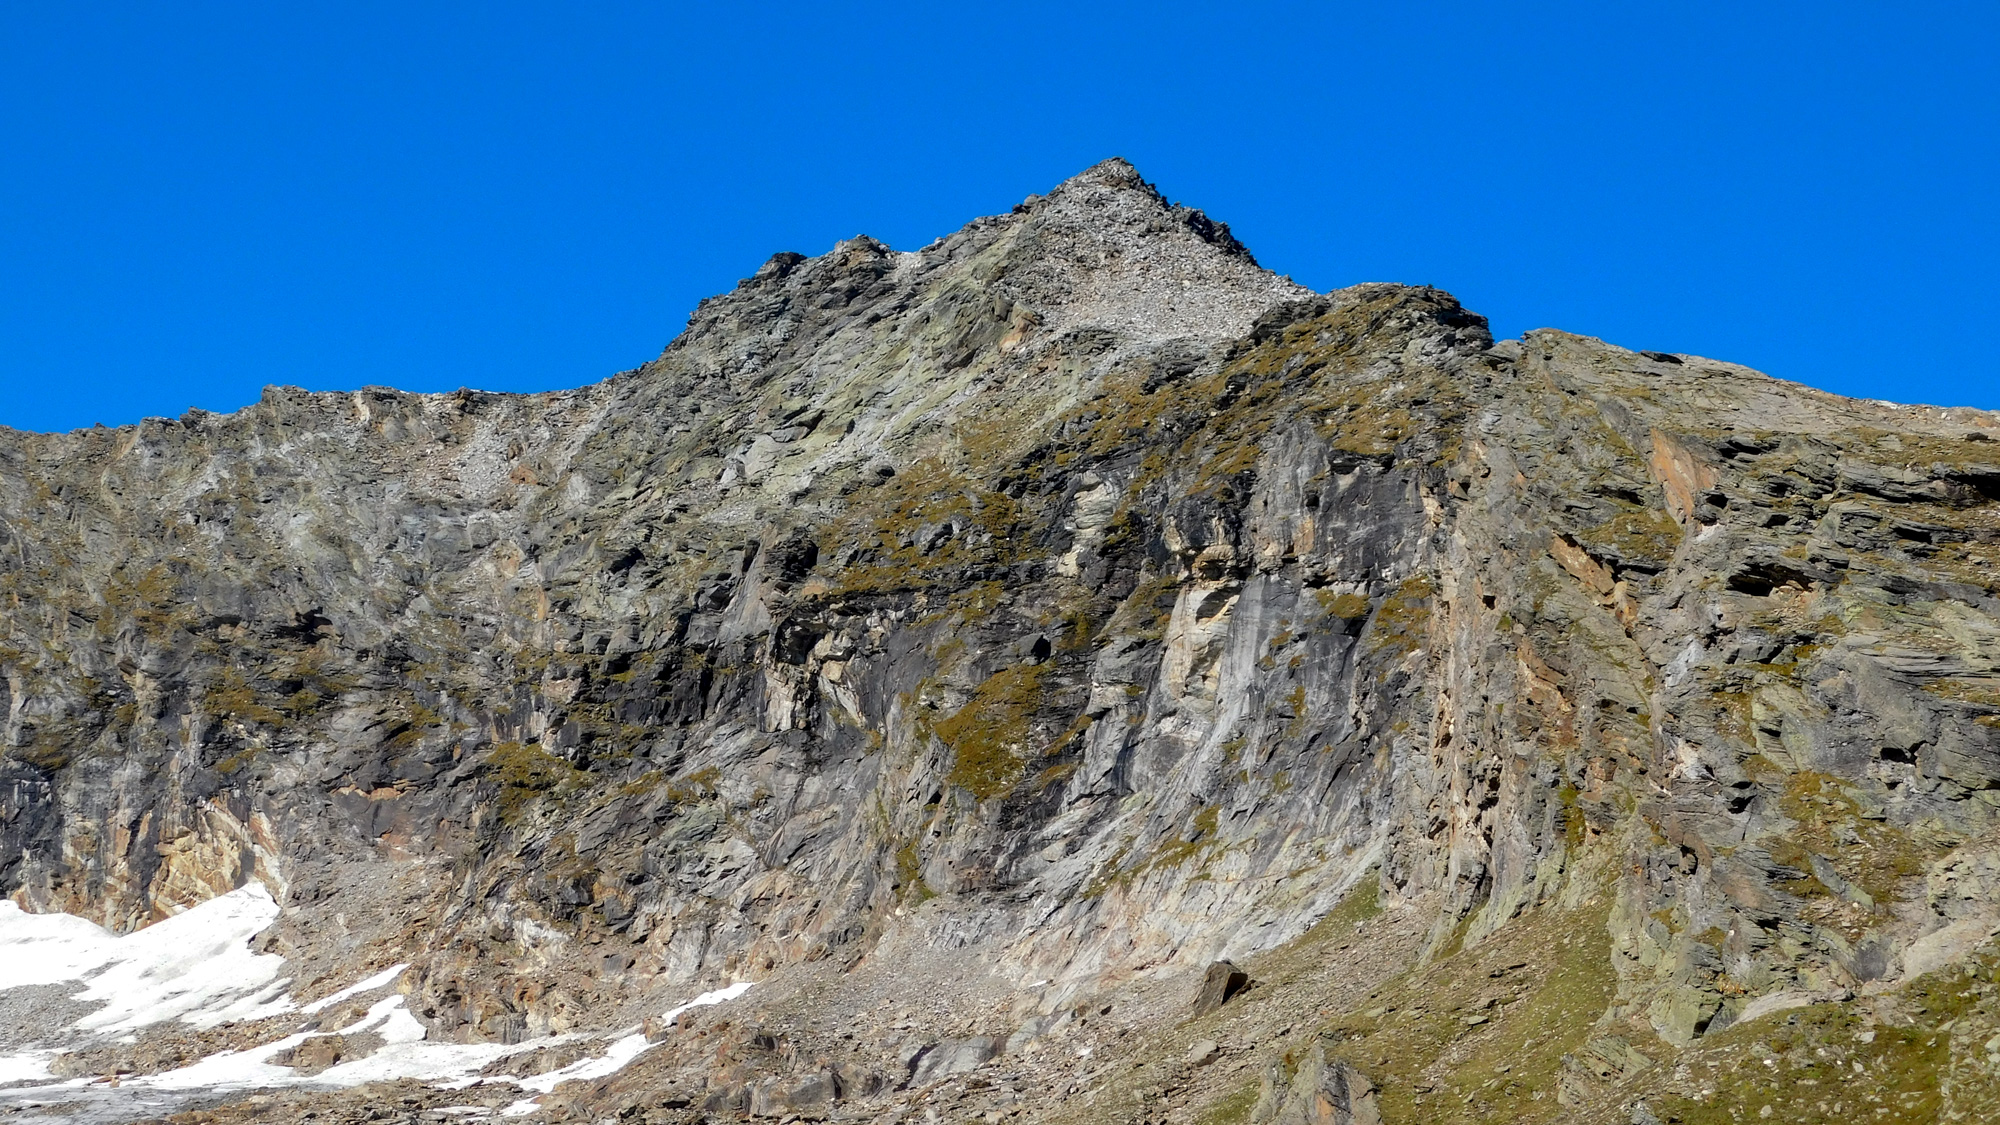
{"x": 196, "y": 966}
{"x": 385, "y": 977}
{"x": 229, "y": 1070}
{"x": 390, "y": 1019}
{"x": 404, "y": 1054}
{"x": 433, "y": 1062}
{"x": 27, "y": 1066}
{"x": 49, "y": 948}
{"x": 622, "y": 1051}
{"x": 707, "y": 998}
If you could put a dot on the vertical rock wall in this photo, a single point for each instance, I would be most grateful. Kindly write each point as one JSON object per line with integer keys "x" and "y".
{"x": 1071, "y": 590}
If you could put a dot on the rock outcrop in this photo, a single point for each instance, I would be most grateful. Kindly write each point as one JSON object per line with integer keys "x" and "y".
{"x": 972, "y": 645}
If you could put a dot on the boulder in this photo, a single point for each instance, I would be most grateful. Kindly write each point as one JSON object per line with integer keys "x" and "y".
{"x": 1223, "y": 981}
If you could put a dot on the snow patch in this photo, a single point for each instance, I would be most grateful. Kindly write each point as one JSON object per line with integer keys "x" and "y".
{"x": 391, "y": 1020}
{"x": 708, "y": 998}
{"x": 228, "y": 1070}
{"x": 615, "y": 1057}
{"x": 622, "y": 1051}
{"x": 49, "y": 948}
{"x": 196, "y": 966}
{"x": 385, "y": 977}
{"x": 405, "y": 1054}
{"x": 27, "y": 1066}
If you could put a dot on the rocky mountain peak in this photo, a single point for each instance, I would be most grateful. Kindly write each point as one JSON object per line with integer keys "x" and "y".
{"x": 1102, "y": 242}
{"x": 1124, "y": 203}
{"x": 1064, "y": 673}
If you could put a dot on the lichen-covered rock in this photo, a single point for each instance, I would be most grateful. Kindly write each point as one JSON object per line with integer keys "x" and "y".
{"x": 958, "y": 642}
{"x": 1314, "y": 1091}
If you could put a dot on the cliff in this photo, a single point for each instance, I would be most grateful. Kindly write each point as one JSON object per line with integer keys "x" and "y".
{"x": 967, "y": 647}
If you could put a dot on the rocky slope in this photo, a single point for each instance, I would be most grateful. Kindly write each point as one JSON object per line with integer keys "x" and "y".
{"x": 966, "y": 648}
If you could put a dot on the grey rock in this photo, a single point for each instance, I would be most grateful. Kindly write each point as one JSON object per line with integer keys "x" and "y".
{"x": 1317, "y": 1092}
{"x": 1218, "y": 986}
{"x": 1070, "y": 601}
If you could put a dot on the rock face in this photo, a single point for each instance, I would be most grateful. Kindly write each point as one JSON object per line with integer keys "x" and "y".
{"x": 960, "y": 642}
{"x": 1316, "y": 1092}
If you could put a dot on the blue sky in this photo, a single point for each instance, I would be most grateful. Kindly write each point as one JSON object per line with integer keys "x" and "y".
{"x": 199, "y": 199}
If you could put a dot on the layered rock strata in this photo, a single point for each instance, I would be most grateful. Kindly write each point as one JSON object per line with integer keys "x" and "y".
{"x": 972, "y": 645}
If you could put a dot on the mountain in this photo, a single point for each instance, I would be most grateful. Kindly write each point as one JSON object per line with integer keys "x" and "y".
{"x": 899, "y": 699}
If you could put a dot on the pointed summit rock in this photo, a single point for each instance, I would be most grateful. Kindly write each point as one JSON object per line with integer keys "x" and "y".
{"x": 1108, "y": 183}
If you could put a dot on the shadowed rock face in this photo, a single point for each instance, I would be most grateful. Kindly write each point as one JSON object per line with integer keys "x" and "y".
{"x": 964, "y": 641}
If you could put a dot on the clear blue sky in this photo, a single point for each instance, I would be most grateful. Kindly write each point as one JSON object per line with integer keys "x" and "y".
{"x": 198, "y": 199}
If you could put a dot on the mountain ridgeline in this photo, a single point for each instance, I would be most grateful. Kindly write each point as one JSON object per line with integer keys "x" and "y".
{"x": 967, "y": 648}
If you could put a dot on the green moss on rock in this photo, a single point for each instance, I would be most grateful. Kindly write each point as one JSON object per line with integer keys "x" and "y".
{"x": 526, "y": 772}
{"x": 988, "y": 737}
